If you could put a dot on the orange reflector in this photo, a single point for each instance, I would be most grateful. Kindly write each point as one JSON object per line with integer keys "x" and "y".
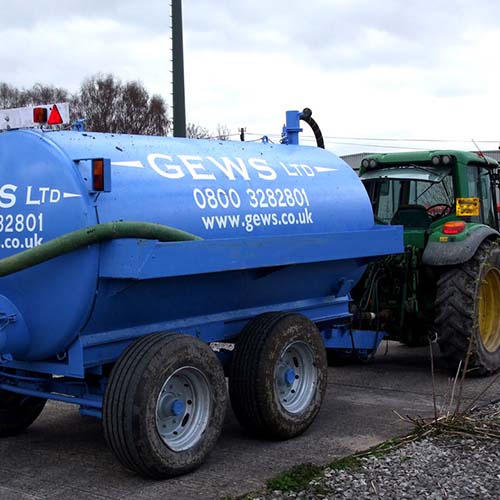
{"x": 468, "y": 207}
{"x": 98, "y": 175}
{"x": 39, "y": 115}
{"x": 454, "y": 227}
{"x": 55, "y": 117}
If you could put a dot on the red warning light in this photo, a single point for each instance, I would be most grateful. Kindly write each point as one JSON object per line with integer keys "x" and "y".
{"x": 55, "y": 117}
{"x": 454, "y": 227}
{"x": 39, "y": 115}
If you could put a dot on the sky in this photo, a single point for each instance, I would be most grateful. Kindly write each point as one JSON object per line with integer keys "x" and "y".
{"x": 373, "y": 72}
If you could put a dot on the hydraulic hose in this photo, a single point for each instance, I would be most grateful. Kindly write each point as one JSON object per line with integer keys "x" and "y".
{"x": 90, "y": 236}
{"x": 306, "y": 116}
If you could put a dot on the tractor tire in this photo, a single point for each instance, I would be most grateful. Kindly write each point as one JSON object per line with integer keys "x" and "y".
{"x": 278, "y": 375}
{"x": 467, "y": 311}
{"x": 18, "y": 412}
{"x": 164, "y": 405}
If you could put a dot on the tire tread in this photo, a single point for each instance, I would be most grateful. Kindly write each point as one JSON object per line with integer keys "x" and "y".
{"x": 456, "y": 316}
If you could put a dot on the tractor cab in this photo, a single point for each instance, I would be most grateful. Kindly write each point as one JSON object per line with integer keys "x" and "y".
{"x": 423, "y": 191}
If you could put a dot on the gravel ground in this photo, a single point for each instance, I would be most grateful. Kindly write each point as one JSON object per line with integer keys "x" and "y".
{"x": 439, "y": 467}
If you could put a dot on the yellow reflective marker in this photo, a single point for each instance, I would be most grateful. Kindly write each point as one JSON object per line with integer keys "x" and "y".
{"x": 443, "y": 239}
{"x": 468, "y": 207}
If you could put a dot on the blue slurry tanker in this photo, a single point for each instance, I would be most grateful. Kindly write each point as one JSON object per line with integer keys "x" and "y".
{"x": 138, "y": 273}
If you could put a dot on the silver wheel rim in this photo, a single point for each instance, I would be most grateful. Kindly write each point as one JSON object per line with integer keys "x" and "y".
{"x": 183, "y": 408}
{"x": 295, "y": 377}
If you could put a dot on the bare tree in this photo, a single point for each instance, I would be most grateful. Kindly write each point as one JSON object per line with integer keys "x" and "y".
{"x": 223, "y": 132}
{"x": 97, "y": 102}
{"x": 11, "y": 97}
{"x": 45, "y": 94}
{"x": 107, "y": 105}
{"x": 158, "y": 122}
{"x": 197, "y": 132}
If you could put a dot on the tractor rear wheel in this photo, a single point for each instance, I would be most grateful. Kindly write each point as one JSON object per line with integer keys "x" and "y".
{"x": 467, "y": 311}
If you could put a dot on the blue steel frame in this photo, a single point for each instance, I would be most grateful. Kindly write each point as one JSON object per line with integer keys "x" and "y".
{"x": 122, "y": 259}
{"x": 362, "y": 343}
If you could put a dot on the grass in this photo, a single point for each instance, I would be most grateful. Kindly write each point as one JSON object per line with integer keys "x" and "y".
{"x": 296, "y": 478}
{"x": 346, "y": 463}
{"x": 299, "y": 477}
{"x": 246, "y": 497}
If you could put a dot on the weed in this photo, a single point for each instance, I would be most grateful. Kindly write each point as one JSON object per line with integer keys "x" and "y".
{"x": 346, "y": 463}
{"x": 296, "y": 478}
{"x": 456, "y": 419}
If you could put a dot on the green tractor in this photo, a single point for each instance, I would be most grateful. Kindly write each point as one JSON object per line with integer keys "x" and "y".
{"x": 446, "y": 285}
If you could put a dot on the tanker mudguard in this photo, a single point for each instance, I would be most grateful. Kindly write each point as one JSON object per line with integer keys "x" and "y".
{"x": 456, "y": 252}
{"x": 107, "y": 240}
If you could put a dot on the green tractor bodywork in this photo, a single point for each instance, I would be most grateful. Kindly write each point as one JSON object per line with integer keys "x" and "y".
{"x": 447, "y": 283}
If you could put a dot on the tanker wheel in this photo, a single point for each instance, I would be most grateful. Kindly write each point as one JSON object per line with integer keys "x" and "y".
{"x": 278, "y": 375}
{"x": 18, "y": 412}
{"x": 467, "y": 311}
{"x": 164, "y": 405}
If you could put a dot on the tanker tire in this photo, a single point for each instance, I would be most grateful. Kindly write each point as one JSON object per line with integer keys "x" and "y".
{"x": 18, "y": 412}
{"x": 257, "y": 359}
{"x": 457, "y": 312}
{"x": 132, "y": 397}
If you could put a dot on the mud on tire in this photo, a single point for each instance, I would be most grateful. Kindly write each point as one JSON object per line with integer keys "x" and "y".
{"x": 468, "y": 311}
{"x": 278, "y": 375}
{"x": 164, "y": 405}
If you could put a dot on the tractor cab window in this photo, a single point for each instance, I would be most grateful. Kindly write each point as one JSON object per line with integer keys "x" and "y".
{"x": 413, "y": 196}
{"x": 479, "y": 186}
{"x": 386, "y": 199}
{"x": 487, "y": 205}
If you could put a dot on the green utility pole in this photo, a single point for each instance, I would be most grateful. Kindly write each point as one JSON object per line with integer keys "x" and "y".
{"x": 179, "y": 100}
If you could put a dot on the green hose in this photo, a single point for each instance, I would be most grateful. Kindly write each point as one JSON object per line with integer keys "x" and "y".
{"x": 90, "y": 236}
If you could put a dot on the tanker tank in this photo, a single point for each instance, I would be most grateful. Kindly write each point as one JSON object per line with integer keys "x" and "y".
{"x": 108, "y": 239}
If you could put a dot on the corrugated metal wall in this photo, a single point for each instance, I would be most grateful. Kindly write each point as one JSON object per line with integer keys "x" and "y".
{"x": 354, "y": 160}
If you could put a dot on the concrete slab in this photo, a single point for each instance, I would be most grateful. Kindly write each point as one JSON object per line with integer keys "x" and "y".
{"x": 64, "y": 455}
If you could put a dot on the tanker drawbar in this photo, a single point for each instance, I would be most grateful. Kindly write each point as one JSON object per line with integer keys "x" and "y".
{"x": 137, "y": 272}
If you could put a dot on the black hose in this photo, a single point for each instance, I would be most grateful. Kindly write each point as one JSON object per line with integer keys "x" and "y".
{"x": 306, "y": 116}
